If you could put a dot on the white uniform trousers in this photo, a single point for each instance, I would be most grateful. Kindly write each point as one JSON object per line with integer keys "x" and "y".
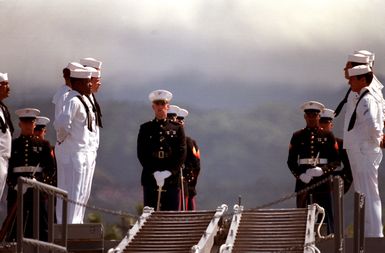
{"x": 72, "y": 168}
{"x": 89, "y": 175}
{"x": 364, "y": 164}
{"x": 3, "y": 173}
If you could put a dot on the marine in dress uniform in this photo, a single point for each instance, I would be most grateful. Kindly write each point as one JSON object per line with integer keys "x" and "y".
{"x": 6, "y": 131}
{"x": 363, "y": 145}
{"x": 75, "y": 129}
{"x": 161, "y": 146}
{"x": 31, "y": 158}
{"x": 313, "y": 156}
{"x": 192, "y": 166}
{"x": 344, "y": 171}
{"x": 40, "y": 131}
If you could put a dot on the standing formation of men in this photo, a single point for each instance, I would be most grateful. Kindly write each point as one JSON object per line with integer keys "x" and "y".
{"x": 171, "y": 160}
{"x": 31, "y": 158}
{"x": 313, "y": 156}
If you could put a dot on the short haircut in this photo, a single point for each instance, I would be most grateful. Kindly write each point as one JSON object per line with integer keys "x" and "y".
{"x": 368, "y": 77}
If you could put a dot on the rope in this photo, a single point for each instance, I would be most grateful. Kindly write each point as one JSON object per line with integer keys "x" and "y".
{"x": 295, "y": 194}
{"x": 92, "y": 207}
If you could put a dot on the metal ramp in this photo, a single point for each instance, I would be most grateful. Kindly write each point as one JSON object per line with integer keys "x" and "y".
{"x": 172, "y": 231}
{"x": 272, "y": 230}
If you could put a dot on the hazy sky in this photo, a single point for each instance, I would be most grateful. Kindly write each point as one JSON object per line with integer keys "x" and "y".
{"x": 210, "y": 47}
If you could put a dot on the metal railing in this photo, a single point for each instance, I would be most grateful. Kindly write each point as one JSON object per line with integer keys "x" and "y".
{"x": 52, "y": 192}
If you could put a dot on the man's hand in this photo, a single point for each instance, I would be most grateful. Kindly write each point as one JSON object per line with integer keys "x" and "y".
{"x": 382, "y": 143}
{"x": 315, "y": 172}
{"x": 305, "y": 178}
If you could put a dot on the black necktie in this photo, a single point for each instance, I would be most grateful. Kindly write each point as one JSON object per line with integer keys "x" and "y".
{"x": 96, "y": 110}
{"x": 342, "y": 103}
{"x": 7, "y": 117}
{"x": 353, "y": 118}
{"x": 89, "y": 118}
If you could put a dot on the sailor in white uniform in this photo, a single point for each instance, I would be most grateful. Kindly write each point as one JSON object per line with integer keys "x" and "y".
{"x": 363, "y": 145}
{"x": 6, "y": 130}
{"x": 62, "y": 93}
{"x": 352, "y": 97}
{"x": 74, "y": 127}
{"x": 94, "y": 66}
{"x": 376, "y": 85}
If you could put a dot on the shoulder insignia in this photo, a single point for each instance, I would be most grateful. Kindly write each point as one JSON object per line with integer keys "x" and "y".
{"x": 196, "y": 153}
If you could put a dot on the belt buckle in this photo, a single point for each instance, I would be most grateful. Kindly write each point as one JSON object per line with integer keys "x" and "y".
{"x": 161, "y": 154}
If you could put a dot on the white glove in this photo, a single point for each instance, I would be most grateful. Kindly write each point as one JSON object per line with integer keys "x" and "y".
{"x": 160, "y": 176}
{"x": 25, "y": 187}
{"x": 315, "y": 172}
{"x": 305, "y": 178}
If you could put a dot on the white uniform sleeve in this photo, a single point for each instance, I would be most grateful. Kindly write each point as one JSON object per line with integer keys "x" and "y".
{"x": 64, "y": 121}
{"x": 372, "y": 112}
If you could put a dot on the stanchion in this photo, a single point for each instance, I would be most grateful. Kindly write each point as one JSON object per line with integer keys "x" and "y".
{"x": 359, "y": 223}
{"x": 338, "y": 194}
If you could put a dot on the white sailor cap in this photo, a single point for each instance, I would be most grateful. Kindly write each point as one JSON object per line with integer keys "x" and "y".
{"x": 359, "y": 70}
{"x": 182, "y": 113}
{"x": 366, "y": 53}
{"x": 94, "y": 72}
{"x": 173, "y": 110}
{"x": 312, "y": 106}
{"x": 42, "y": 121}
{"x": 27, "y": 113}
{"x": 91, "y": 62}
{"x": 327, "y": 114}
{"x": 157, "y": 95}
{"x": 3, "y": 77}
{"x": 358, "y": 58}
{"x": 80, "y": 73}
{"x": 74, "y": 65}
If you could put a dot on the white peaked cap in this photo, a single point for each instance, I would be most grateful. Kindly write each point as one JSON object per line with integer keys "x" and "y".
{"x": 80, "y": 73}
{"x": 173, "y": 109}
{"x": 359, "y": 70}
{"x": 366, "y": 53}
{"x": 312, "y": 105}
{"x": 160, "y": 95}
{"x": 94, "y": 71}
{"x": 3, "y": 77}
{"x": 182, "y": 113}
{"x": 43, "y": 121}
{"x": 91, "y": 62}
{"x": 74, "y": 65}
{"x": 327, "y": 113}
{"x": 359, "y": 58}
{"x": 27, "y": 113}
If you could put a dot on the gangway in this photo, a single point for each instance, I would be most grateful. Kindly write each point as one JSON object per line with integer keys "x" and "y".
{"x": 172, "y": 231}
{"x": 273, "y": 230}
